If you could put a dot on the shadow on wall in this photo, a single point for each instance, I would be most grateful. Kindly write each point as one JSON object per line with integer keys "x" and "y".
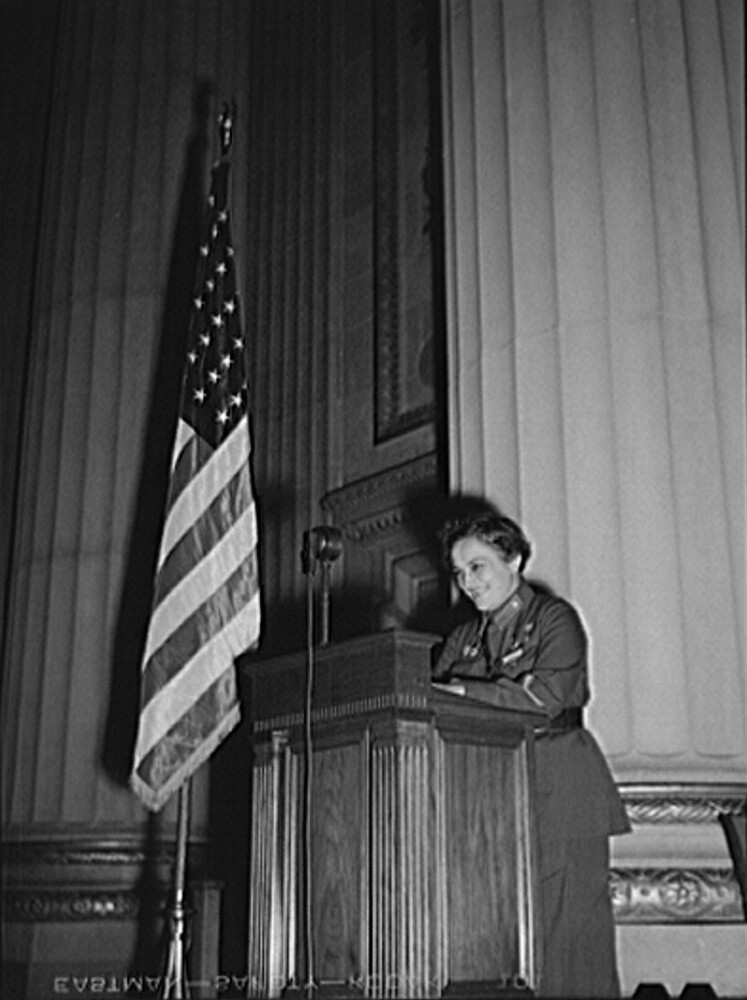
{"x": 427, "y": 512}
{"x": 134, "y": 611}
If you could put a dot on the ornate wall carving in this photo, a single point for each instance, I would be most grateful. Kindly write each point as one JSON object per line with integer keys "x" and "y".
{"x": 61, "y": 905}
{"x": 108, "y": 899}
{"x": 672, "y": 803}
{"x": 676, "y": 895}
{"x": 679, "y": 892}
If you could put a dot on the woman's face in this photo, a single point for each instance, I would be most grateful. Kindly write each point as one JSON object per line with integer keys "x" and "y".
{"x": 482, "y": 573}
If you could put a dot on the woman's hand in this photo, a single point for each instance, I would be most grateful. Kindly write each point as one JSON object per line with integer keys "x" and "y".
{"x": 451, "y": 687}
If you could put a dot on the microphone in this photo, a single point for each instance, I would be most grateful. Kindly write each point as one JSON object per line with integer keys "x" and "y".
{"x": 322, "y": 544}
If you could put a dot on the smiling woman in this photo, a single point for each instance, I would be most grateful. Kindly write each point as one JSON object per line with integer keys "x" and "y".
{"x": 482, "y": 572}
{"x": 527, "y": 650}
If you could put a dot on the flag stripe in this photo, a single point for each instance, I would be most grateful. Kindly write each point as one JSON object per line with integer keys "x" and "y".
{"x": 185, "y": 435}
{"x": 207, "y": 483}
{"x": 208, "y": 539}
{"x": 214, "y": 575}
{"x": 163, "y": 768}
{"x": 191, "y": 452}
{"x": 172, "y": 700}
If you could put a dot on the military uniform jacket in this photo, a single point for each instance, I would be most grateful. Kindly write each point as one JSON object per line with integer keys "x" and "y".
{"x": 531, "y": 655}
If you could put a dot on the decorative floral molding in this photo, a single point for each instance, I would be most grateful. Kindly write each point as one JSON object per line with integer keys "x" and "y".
{"x": 675, "y": 895}
{"x": 64, "y": 905}
{"x": 679, "y": 894}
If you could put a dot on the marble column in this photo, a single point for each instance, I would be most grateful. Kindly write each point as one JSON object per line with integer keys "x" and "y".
{"x": 595, "y": 221}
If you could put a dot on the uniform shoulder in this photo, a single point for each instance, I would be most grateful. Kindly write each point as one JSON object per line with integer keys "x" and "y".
{"x": 552, "y": 606}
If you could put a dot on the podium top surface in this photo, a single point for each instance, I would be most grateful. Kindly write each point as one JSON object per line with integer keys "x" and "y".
{"x": 384, "y": 671}
{"x": 394, "y": 663}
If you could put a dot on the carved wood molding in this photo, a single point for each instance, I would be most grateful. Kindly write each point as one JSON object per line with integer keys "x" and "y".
{"x": 675, "y": 895}
{"x": 374, "y": 506}
{"x": 335, "y": 713}
{"x": 382, "y": 517}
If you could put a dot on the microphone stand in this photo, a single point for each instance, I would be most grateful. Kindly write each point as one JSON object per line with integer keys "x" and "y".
{"x": 322, "y": 546}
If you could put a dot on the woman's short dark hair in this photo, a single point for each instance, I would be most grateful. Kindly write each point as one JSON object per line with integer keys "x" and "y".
{"x": 493, "y": 529}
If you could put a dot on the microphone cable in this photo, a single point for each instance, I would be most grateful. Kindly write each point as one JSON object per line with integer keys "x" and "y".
{"x": 307, "y": 779}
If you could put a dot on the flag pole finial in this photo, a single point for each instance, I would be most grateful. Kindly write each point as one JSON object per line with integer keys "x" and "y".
{"x": 227, "y": 117}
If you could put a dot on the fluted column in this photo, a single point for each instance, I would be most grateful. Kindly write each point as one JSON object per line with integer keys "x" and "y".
{"x": 292, "y": 304}
{"x": 132, "y": 128}
{"x": 123, "y": 150}
{"x": 596, "y": 343}
{"x": 595, "y": 228}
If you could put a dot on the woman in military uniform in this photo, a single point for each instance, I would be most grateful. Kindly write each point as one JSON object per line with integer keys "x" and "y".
{"x": 527, "y": 650}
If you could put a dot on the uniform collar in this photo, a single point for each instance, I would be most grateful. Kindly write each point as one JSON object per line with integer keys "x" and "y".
{"x": 510, "y": 607}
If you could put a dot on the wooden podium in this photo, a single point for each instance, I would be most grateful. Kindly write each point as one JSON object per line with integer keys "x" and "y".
{"x": 392, "y": 852}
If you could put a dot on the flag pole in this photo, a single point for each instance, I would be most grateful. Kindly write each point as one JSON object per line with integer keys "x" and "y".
{"x": 176, "y": 984}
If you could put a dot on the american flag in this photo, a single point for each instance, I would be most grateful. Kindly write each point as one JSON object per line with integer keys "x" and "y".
{"x": 206, "y": 602}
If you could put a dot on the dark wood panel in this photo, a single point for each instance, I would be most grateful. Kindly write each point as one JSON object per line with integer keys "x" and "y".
{"x": 337, "y": 811}
{"x": 482, "y": 895}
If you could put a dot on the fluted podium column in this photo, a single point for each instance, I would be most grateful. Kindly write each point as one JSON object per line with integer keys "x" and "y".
{"x": 405, "y": 946}
{"x": 273, "y": 922}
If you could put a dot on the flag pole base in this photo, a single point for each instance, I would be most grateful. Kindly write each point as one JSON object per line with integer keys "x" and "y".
{"x": 176, "y": 984}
